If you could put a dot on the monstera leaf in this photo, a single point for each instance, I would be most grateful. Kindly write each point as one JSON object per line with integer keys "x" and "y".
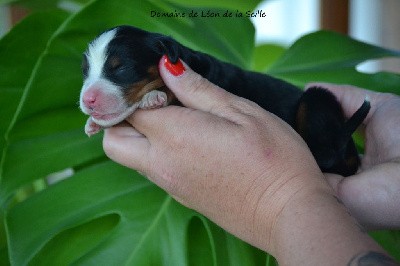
{"x": 104, "y": 213}
{"x": 333, "y": 57}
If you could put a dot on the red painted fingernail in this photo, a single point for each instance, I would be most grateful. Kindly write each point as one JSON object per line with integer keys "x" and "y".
{"x": 176, "y": 69}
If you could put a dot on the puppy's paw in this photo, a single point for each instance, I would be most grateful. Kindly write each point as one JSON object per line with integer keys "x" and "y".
{"x": 153, "y": 99}
{"x": 91, "y": 127}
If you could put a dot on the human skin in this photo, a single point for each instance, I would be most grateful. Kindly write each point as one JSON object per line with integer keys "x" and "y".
{"x": 372, "y": 195}
{"x": 243, "y": 168}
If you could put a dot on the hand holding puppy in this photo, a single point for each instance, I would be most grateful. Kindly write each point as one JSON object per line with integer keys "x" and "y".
{"x": 372, "y": 195}
{"x": 120, "y": 72}
{"x": 242, "y": 167}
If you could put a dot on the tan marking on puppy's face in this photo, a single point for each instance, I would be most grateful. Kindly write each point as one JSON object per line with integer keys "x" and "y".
{"x": 137, "y": 90}
{"x": 155, "y": 75}
{"x": 153, "y": 72}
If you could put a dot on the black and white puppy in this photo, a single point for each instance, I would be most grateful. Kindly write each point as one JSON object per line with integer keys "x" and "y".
{"x": 120, "y": 69}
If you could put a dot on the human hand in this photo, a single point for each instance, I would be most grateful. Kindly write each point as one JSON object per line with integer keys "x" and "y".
{"x": 242, "y": 167}
{"x": 372, "y": 195}
{"x": 222, "y": 155}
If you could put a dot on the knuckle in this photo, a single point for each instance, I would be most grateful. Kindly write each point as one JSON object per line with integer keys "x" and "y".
{"x": 197, "y": 82}
{"x": 166, "y": 179}
{"x": 246, "y": 112}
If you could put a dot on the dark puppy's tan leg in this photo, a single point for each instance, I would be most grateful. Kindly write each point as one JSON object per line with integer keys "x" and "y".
{"x": 150, "y": 92}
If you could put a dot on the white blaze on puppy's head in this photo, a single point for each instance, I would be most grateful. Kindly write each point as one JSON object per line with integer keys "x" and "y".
{"x": 120, "y": 75}
{"x": 97, "y": 54}
{"x": 100, "y": 98}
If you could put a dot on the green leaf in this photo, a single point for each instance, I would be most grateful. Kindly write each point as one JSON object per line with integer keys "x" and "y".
{"x": 110, "y": 217}
{"x": 331, "y": 57}
{"x": 45, "y": 4}
{"x": 265, "y": 55}
{"x": 69, "y": 244}
{"x": 5, "y": 2}
{"x": 201, "y": 250}
{"x": 44, "y": 134}
{"x": 390, "y": 241}
{"x": 115, "y": 197}
{"x": 242, "y": 6}
{"x": 17, "y": 62}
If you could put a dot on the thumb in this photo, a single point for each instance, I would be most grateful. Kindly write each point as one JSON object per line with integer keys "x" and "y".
{"x": 192, "y": 90}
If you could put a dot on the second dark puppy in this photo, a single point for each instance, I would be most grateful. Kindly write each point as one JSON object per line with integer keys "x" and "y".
{"x": 120, "y": 69}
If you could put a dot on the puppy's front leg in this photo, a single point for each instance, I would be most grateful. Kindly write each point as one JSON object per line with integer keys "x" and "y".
{"x": 153, "y": 99}
{"x": 91, "y": 127}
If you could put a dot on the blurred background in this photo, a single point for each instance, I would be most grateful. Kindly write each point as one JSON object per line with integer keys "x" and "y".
{"x": 372, "y": 21}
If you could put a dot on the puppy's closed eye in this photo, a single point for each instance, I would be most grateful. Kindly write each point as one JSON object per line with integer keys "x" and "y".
{"x": 115, "y": 65}
{"x": 114, "y": 62}
{"x": 85, "y": 66}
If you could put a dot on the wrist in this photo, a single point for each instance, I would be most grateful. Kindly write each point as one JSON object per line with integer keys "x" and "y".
{"x": 273, "y": 205}
{"x": 314, "y": 228}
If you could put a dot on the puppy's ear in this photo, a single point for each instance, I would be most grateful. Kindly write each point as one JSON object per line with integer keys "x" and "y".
{"x": 168, "y": 46}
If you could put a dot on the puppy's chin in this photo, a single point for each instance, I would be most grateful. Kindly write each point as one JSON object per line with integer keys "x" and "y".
{"x": 111, "y": 119}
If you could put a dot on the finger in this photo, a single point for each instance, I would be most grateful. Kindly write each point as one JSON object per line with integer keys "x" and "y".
{"x": 160, "y": 124}
{"x": 193, "y": 90}
{"x": 372, "y": 196}
{"x": 126, "y": 146}
{"x": 350, "y": 97}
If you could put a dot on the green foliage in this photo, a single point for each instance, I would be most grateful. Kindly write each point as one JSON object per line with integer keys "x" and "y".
{"x": 265, "y": 55}
{"x": 106, "y": 213}
{"x": 333, "y": 58}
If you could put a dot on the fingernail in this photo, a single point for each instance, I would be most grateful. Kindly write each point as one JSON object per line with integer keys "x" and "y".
{"x": 176, "y": 69}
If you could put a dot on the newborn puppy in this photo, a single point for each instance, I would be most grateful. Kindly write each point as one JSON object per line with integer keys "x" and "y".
{"x": 120, "y": 75}
{"x": 120, "y": 69}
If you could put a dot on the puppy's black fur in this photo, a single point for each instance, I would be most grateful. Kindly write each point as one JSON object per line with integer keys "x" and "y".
{"x": 315, "y": 114}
